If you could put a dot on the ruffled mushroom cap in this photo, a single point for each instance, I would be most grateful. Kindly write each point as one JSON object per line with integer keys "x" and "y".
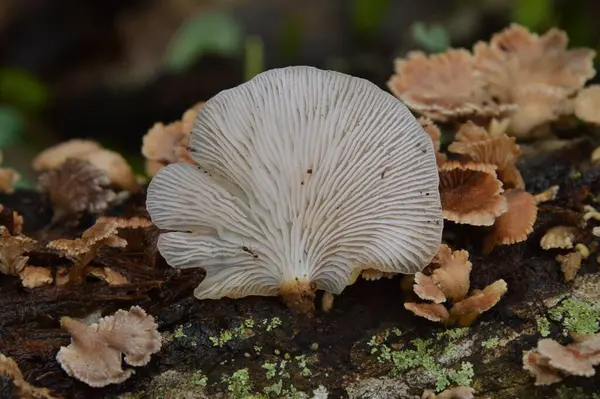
{"x": 95, "y": 353}
{"x": 112, "y": 163}
{"x": 452, "y": 275}
{"x": 537, "y": 365}
{"x": 75, "y": 187}
{"x": 558, "y": 237}
{"x": 116, "y": 167}
{"x": 570, "y": 264}
{"x": 53, "y": 157}
{"x": 467, "y": 310}
{"x": 166, "y": 144}
{"x": 426, "y": 289}
{"x": 516, "y": 224}
{"x": 435, "y": 312}
{"x": 569, "y": 359}
{"x": 537, "y": 73}
{"x": 587, "y": 104}
{"x": 33, "y": 276}
{"x": 478, "y": 145}
{"x": 443, "y": 86}
{"x": 12, "y": 248}
{"x": 135, "y": 222}
{"x": 470, "y": 193}
{"x": 305, "y": 177}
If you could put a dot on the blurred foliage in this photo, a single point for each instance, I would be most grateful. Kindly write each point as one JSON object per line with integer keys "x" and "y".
{"x": 22, "y": 90}
{"x": 254, "y": 62}
{"x": 206, "y": 32}
{"x": 291, "y": 36}
{"x": 432, "y": 38}
{"x": 367, "y": 15}
{"x": 534, "y": 14}
{"x": 11, "y": 125}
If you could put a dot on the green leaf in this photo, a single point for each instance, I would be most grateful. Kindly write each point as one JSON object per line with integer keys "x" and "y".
{"x": 214, "y": 32}
{"x": 533, "y": 14}
{"x": 22, "y": 89}
{"x": 433, "y": 38}
{"x": 367, "y": 15}
{"x": 253, "y": 57}
{"x": 11, "y": 125}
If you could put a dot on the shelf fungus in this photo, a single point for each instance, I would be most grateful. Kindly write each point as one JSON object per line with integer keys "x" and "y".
{"x": 444, "y": 86}
{"x": 499, "y": 149}
{"x": 83, "y": 250}
{"x": 535, "y": 72}
{"x": 95, "y": 353}
{"x": 305, "y": 178}
{"x": 516, "y": 224}
{"x": 117, "y": 170}
{"x": 76, "y": 187}
{"x": 166, "y": 144}
{"x": 550, "y": 362}
{"x": 447, "y": 279}
{"x": 471, "y": 193}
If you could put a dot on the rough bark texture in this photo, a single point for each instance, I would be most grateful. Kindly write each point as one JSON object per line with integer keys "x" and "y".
{"x": 368, "y": 346}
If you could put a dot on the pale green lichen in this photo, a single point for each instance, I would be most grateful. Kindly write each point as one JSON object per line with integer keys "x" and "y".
{"x": 422, "y": 356}
{"x": 179, "y": 333}
{"x": 303, "y": 365}
{"x": 580, "y": 317}
{"x": 543, "y": 325}
{"x": 200, "y": 379}
{"x": 271, "y": 324}
{"x": 454, "y": 333}
{"x": 240, "y": 385}
{"x": 491, "y": 343}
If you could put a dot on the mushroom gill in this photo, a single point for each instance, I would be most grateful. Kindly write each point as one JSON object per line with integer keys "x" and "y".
{"x": 304, "y": 178}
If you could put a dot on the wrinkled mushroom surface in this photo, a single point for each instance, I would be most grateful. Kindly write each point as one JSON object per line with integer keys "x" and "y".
{"x": 305, "y": 177}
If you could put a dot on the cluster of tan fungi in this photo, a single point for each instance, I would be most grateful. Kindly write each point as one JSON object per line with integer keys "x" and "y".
{"x": 550, "y": 362}
{"x": 529, "y": 79}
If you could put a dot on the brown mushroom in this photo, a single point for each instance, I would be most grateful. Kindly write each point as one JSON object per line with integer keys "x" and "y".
{"x": 95, "y": 353}
{"x": 558, "y": 237}
{"x": 452, "y": 275}
{"x": 11, "y": 220}
{"x": 10, "y": 369}
{"x": 480, "y": 146}
{"x": 537, "y": 73}
{"x": 83, "y": 250}
{"x": 466, "y": 311}
{"x": 470, "y": 193}
{"x": 12, "y": 250}
{"x": 34, "y": 276}
{"x": 587, "y": 104}
{"x": 516, "y": 224}
{"x": 431, "y": 311}
{"x": 444, "y": 86}
{"x": 75, "y": 187}
{"x": 426, "y": 289}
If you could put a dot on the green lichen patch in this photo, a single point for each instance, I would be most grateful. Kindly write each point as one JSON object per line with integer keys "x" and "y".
{"x": 420, "y": 353}
{"x": 581, "y": 317}
{"x": 491, "y": 343}
{"x": 245, "y": 330}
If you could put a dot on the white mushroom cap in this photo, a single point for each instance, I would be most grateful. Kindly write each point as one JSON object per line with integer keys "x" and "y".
{"x": 306, "y": 177}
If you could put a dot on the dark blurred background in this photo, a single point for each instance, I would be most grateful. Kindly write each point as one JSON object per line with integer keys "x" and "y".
{"x": 109, "y": 69}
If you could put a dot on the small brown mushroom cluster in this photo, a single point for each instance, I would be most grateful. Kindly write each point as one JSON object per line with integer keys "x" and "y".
{"x": 560, "y": 238}
{"x": 528, "y": 78}
{"x": 484, "y": 186}
{"x": 550, "y": 362}
{"x": 447, "y": 279}
{"x": 81, "y": 251}
{"x": 80, "y": 176}
{"x": 166, "y": 144}
{"x": 95, "y": 353}
{"x": 14, "y": 261}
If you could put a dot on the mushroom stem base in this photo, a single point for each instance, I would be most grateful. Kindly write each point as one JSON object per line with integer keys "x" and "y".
{"x": 299, "y": 296}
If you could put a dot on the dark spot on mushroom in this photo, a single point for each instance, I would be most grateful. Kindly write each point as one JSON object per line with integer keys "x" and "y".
{"x": 426, "y": 193}
{"x": 245, "y": 249}
{"x": 255, "y": 256}
{"x": 302, "y": 183}
{"x": 309, "y": 171}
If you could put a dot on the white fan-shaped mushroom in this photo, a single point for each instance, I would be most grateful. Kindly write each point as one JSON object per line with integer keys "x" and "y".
{"x": 305, "y": 178}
